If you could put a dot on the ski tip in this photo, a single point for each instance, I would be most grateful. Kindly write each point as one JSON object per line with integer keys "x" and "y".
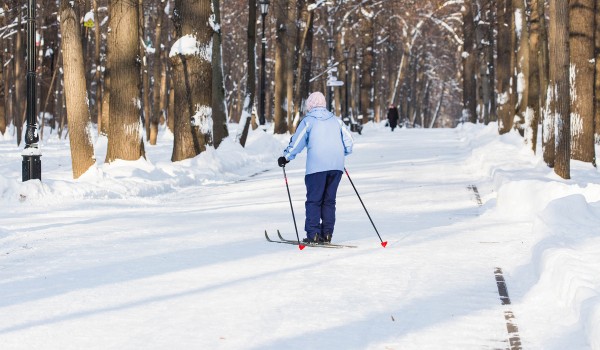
{"x": 384, "y": 244}
{"x": 301, "y": 246}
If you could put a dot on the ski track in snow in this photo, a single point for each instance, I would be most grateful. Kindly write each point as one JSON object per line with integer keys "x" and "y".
{"x": 190, "y": 268}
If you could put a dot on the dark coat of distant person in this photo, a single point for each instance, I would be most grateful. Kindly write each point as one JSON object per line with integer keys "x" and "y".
{"x": 392, "y": 117}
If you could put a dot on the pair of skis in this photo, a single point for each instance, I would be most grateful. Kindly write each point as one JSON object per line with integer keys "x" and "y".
{"x": 302, "y": 244}
{"x": 328, "y": 245}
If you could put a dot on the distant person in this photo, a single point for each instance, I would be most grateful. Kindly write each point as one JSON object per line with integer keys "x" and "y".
{"x": 327, "y": 141}
{"x": 392, "y": 117}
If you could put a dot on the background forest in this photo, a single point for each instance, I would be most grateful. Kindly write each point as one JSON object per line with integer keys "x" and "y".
{"x": 192, "y": 67}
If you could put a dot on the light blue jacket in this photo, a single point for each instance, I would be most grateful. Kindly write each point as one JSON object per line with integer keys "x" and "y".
{"x": 326, "y": 139}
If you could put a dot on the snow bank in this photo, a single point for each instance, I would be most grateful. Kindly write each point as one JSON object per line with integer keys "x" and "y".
{"x": 144, "y": 177}
{"x": 566, "y": 270}
{"x": 559, "y": 286}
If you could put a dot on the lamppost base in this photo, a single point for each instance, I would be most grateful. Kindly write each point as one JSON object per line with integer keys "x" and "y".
{"x": 31, "y": 164}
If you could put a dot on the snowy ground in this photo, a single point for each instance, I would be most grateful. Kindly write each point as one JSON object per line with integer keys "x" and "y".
{"x": 160, "y": 255}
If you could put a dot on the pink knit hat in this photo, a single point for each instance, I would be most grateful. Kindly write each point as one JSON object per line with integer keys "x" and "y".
{"x": 316, "y": 99}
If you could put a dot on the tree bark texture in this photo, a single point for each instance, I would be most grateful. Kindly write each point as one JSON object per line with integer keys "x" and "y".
{"x": 521, "y": 45}
{"x": 546, "y": 102}
{"x": 251, "y": 76}
{"x": 192, "y": 81}
{"x": 280, "y": 114}
{"x": 144, "y": 70}
{"x": 534, "y": 93}
{"x": 79, "y": 119}
{"x": 503, "y": 66}
{"x": 469, "y": 61}
{"x": 304, "y": 62}
{"x": 597, "y": 76}
{"x": 559, "y": 81}
{"x": 3, "y": 81}
{"x": 219, "y": 108}
{"x": 158, "y": 74}
{"x": 291, "y": 61}
{"x": 581, "y": 49}
{"x": 98, "y": 63}
{"x": 125, "y": 130}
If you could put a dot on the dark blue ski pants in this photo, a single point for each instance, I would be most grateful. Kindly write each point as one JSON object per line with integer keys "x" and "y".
{"x": 321, "y": 190}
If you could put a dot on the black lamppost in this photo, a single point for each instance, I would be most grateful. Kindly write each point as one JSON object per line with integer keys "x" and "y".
{"x": 264, "y": 8}
{"x": 32, "y": 164}
{"x": 331, "y": 44}
{"x": 347, "y": 86}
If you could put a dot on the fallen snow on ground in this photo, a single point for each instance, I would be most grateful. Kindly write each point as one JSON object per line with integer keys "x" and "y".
{"x": 153, "y": 254}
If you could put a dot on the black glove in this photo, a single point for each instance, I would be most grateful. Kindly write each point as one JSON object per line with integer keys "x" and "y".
{"x": 282, "y": 161}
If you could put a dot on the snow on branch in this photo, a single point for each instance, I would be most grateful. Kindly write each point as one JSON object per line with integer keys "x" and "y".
{"x": 448, "y": 28}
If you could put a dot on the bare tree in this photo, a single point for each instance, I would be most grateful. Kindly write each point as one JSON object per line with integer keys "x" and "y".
{"x": 159, "y": 73}
{"x": 559, "y": 82}
{"x": 546, "y": 91}
{"x": 532, "y": 116}
{"x": 251, "y": 75}
{"x": 280, "y": 114}
{"x": 291, "y": 59}
{"x": 219, "y": 109}
{"x": 469, "y": 60}
{"x": 98, "y": 63}
{"x": 503, "y": 66}
{"x": 597, "y": 75}
{"x": 144, "y": 70}
{"x": 192, "y": 74}
{"x": 80, "y": 123}
{"x": 125, "y": 139}
{"x": 581, "y": 49}
{"x": 521, "y": 45}
{"x": 3, "y": 79}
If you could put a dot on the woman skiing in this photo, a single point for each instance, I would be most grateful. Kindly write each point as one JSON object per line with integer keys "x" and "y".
{"x": 327, "y": 142}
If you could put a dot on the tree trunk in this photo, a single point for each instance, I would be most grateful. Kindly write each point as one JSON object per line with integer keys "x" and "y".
{"x": 48, "y": 63}
{"x": 3, "y": 81}
{"x": 503, "y": 66}
{"x": 98, "y": 61}
{"x": 581, "y": 49}
{"x": 521, "y": 45}
{"x": 469, "y": 61}
{"x": 597, "y": 76}
{"x": 104, "y": 126}
{"x": 125, "y": 129}
{"x": 251, "y": 76}
{"x": 291, "y": 62}
{"x": 304, "y": 63}
{"x": 219, "y": 108}
{"x": 158, "y": 74}
{"x": 532, "y": 116}
{"x": 144, "y": 78}
{"x": 192, "y": 74}
{"x": 166, "y": 91}
{"x": 171, "y": 103}
{"x": 485, "y": 59}
{"x": 559, "y": 81}
{"x": 546, "y": 108}
{"x": 79, "y": 120}
{"x": 302, "y": 19}
{"x": 280, "y": 115}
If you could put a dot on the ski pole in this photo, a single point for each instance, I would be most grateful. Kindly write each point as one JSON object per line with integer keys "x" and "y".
{"x": 366, "y": 211}
{"x": 292, "y": 207}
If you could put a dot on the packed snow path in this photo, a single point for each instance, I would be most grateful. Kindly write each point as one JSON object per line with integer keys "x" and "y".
{"x": 191, "y": 269}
